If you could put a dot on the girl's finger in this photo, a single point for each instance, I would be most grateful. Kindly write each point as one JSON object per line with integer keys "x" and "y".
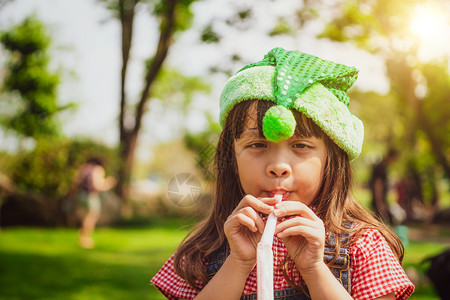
{"x": 251, "y": 213}
{"x": 264, "y": 205}
{"x": 289, "y": 208}
{"x": 297, "y": 221}
{"x": 313, "y": 236}
{"x": 243, "y": 220}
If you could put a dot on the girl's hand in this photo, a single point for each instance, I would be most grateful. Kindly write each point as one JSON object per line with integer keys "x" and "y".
{"x": 245, "y": 226}
{"x": 303, "y": 234}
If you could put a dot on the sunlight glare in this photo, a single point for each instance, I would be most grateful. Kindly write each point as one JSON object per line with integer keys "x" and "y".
{"x": 428, "y": 24}
{"x": 431, "y": 29}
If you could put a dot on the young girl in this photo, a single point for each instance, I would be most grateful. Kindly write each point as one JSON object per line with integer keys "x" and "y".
{"x": 287, "y": 130}
{"x": 89, "y": 181}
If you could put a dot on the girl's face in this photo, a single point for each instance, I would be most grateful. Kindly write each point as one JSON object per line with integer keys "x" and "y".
{"x": 292, "y": 167}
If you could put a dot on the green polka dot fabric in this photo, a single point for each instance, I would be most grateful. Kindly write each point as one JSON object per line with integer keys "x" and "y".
{"x": 295, "y": 80}
{"x": 297, "y": 71}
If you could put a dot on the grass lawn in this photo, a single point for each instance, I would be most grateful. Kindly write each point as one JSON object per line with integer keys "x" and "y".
{"x": 43, "y": 263}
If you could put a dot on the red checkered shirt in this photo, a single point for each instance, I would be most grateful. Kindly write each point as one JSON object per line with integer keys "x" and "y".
{"x": 374, "y": 272}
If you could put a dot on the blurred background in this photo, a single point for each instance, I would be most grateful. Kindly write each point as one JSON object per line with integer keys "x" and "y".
{"x": 135, "y": 84}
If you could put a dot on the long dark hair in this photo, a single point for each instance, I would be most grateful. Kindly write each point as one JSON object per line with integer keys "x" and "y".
{"x": 333, "y": 202}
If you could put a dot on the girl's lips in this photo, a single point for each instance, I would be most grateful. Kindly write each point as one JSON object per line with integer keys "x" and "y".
{"x": 285, "y": 194}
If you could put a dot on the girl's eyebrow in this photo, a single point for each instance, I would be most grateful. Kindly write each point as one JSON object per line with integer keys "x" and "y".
{"x": 250, "y": 132}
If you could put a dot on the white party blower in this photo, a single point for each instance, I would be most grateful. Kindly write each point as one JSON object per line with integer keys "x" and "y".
{"x": 264, "y": 258}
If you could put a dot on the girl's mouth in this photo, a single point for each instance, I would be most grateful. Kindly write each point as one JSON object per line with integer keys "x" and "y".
{"x": 285, "y": 194}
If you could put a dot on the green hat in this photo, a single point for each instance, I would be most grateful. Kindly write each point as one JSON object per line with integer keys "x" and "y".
{"x": 313, "y": 86}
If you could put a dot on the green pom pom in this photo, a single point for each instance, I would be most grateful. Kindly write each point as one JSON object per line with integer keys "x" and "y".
{"x": 278, "y": 123}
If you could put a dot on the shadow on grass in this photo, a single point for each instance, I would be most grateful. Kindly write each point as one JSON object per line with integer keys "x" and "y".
{"x": 67, "y": 277}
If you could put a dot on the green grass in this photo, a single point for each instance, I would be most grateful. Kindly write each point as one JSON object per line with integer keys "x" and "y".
{"x": 44, "y": 263}
{"x": 426, "y": 242}
{"x": 37, "y": 263}
{"x": 416, "y": 253}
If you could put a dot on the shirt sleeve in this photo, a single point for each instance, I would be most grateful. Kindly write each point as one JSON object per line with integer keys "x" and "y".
{"x": 375, "y": 270}
{"x": 170, "y": 284}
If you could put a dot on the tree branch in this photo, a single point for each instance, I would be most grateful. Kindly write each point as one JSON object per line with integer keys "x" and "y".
{"x": 126, "y": 14}
{"x": 165, "y": 39}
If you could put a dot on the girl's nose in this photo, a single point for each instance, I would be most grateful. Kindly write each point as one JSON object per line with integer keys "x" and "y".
{"x": 279, "y": 169}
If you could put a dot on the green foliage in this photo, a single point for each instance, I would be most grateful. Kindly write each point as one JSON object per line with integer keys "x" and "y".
{"x": 244, "y": 14}
{"x": 183, "y": 15}
{"x": 209, "y": 35}
{"x": 282, "y": 27}
{"x": 372, "y": 25}
{"x": 305, "y": 14}
{"x": 381, "y": 115}
{"x": 353, "y": 21}
{"x": 240, "y": 18}
{"x": 49, "y": 168}
{"x": 414, "y": 116}
{"x": 291, "y": 24}
{"x": 436, "y": 101}
{"x": 29, "y": 88}
{"x": 27, "y": 38}
{"x": 177, "y": 90}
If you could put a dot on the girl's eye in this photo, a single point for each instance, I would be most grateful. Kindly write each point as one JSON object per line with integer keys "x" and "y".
{"x": 257, "y": 145}
{"x": 300, "y": 146}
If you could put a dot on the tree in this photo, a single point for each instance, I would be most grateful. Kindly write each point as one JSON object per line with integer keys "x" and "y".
{"x": 34, "y": 182}
{"x": 434, "y": 119}
{"x": 420, "y": 90}
{"x": 172, "y": 16}
{"x": 29, "y": 88}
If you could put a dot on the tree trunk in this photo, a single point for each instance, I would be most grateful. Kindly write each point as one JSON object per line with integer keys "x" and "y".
{"x": 126, "y": 13}
{"x": 127, "y": 150}
{"x": 129, "y": 136}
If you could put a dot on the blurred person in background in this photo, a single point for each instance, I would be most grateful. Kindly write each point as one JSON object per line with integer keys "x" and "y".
{"x": 379, "y": 185}
{"x": 90, "y": 180}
